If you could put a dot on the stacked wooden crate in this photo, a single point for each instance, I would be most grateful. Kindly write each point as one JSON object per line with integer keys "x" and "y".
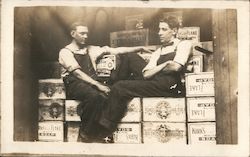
{"x": 51, "y": 110}
{"x": 200, "y": 108}
{"x": 129, "y": 129}
{"x": 164, "y": 120}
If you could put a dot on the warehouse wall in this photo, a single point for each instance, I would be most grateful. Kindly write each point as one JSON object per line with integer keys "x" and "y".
{"x": 40, "y": 32}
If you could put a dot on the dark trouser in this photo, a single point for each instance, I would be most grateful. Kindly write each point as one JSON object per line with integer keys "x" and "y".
{"x": 91, "y": 105}
{"x": 92, "y": 101}
{"x": 123, "y": 91}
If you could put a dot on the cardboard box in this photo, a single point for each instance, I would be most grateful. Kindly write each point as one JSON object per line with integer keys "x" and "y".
{"x": 105, "y": 65}
{"x": 71, "y": 110}
{"x": 195, "y": 64}
{"x": 164, "y": 109}
{"x": 202, "y": 133}
{"x": 72, "y": 131}
{"x": 201, "y": 84}
{"x": 201, "y": 109}
{"x": 130, "y": 38}
{"x": 161, "y": 132}
{"x": 51, "y": 89}
{"x": 133, "y": 113}
{"x": 134, "y": 22}
{"x": 128, "y": 133}
{"x": 51, "y": 110}
{"x": 189, "y": 33}
{"x": 50, "y": 131}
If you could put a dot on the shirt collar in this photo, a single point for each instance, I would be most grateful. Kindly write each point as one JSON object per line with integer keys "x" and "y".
{"x": 73, "y": 47}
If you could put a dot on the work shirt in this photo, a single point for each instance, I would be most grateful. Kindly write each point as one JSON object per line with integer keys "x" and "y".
{"x": 68, "y": 61}
{"x": 182, "y": 48}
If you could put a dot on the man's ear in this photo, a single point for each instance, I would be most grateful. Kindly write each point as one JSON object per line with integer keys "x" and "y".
{"x": 72, "y": 33}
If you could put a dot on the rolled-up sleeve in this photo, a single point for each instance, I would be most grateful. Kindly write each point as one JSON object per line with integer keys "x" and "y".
{"x": 153, "y": 60}
{"x": 183, "y": 52}
{"x": 68, "y": 61}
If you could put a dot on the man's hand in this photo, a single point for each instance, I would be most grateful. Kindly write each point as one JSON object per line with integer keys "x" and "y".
{"x": 171, "y": 66}
{"x": 103, "y": 88}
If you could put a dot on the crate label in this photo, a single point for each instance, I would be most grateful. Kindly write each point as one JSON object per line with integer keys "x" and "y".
{"x": 72, "y": 131}
{"x": 50, "y": 131}
{"x": 201, "y": 109}
{"x": 202, "y": 133}
{"x": 201, "y": 84}
{"x": 105, "y": 65}
{"x": 189, "y": 33}
{"x": 133, "y": 113}
{"x": 130, "y": 38}
{"x": 51, "y": 110}
{"x": 164, "y": 109}
{"x": 51, "y": 89}
{"x": 162, "y": 132}
{"x": 128, "y": 133}
{"x": 71, "y": 110}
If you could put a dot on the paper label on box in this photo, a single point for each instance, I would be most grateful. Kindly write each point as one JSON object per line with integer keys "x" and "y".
{"x": 71, "y": 110}
{"x": 195, "y": 64}
{"x": 105, "y": 65}
{"x": 133, "y": 113}
{"x": 202, "y": 133}
{"x": 50, "y": 131}
{"x": 128, "y": 133}
{"x": 161, "y": 132}
{"x": 129, "y": 38}
{"x": 201, "y": 109}
{"x": 73, "y": 131}
{"x": 51, "y": 89}
{"x": 189, "y": 33}
{"x": 51, "y": 110}
{"x": 201, "y": 84}
{"x": 164, "y": 109}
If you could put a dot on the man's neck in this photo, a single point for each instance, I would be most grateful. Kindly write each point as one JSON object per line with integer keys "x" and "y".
{"x": 78, "y": 46}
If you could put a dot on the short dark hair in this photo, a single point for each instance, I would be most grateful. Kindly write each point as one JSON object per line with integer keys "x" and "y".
{"x": 172, "y": 21}
{"x": 75, "y": 24}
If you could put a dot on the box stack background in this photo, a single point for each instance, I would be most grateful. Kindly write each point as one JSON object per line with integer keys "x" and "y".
{"x": 148, "y": 120}
{"x": 51, "y": 110}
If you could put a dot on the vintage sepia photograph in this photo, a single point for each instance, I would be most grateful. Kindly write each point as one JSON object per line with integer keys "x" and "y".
{"x": 125, "y": 78}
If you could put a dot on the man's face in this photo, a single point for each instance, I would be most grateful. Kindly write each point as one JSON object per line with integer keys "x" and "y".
{"x": 80, "y": 34}
{"x": 165, "y": 33}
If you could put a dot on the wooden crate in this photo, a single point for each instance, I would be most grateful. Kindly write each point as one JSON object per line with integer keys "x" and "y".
{"x": 51, "y": 89}
{"x": 202, "y": 133}
{"x": 162, "y": 132}
{"x": 51, "y": 131}
{"x": 201, "y": 109}
{"x": 200, "y": 84}
{"x": 164, "y": 109}
{"x": 71, "y": 110}
{"x": 128, "y": 133}
{"x": 51, "y": 110}
{"x": 72, "y": 131}
{"x": 133, "y": 113}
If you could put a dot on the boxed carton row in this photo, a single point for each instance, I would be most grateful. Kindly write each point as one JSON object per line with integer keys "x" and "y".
{"x": 146, "y": 132}
{"x": 151, "y": 109}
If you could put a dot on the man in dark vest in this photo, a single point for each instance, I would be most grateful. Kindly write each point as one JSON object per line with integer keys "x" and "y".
{"x": 81, "y": 81}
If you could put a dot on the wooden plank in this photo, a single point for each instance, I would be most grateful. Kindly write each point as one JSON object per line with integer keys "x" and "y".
{"x": 225, "y": 127}
{"x": 233, "y": 70}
